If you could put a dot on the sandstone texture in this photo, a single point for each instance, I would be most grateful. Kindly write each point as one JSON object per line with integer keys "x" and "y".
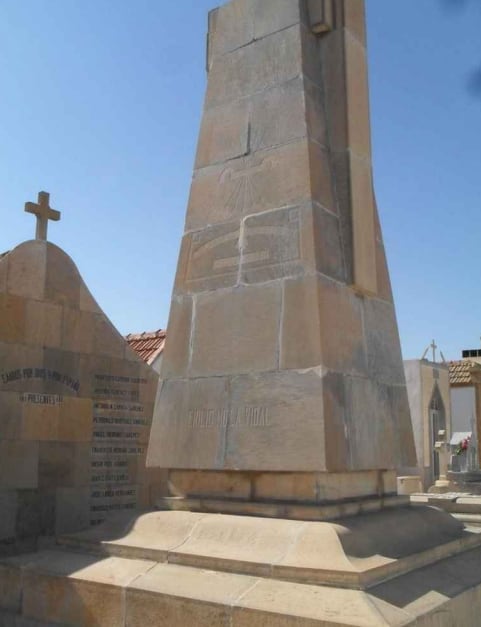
{"x": 283, "y": 352}
{"x": 76, "y": 403}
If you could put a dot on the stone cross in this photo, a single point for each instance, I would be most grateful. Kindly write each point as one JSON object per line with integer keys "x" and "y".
{"x": 44, "y": 213}
{"x": 433, "y": 346}
{"x": 442, "y": 448}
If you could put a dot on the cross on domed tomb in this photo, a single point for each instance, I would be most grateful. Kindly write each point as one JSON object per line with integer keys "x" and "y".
{"x": 44, "y": 213}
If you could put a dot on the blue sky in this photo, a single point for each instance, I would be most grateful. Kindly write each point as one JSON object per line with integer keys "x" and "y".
{"x": 100, "y": 105}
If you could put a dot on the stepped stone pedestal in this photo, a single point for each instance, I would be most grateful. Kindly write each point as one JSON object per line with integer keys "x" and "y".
{"x": 408, "y": 566}
{"x": 282, "y": 414}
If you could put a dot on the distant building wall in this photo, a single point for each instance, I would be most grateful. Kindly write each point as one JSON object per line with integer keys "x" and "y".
{"x": 463, "y": 407}
{"x": 428, "y": 391}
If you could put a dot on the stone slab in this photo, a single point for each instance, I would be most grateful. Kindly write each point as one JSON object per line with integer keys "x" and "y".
{"x": 62, "y": 586}
{"x": 358, "y": 551}
{"x": 73, "y": 589}
{"x": 304, "y": 488}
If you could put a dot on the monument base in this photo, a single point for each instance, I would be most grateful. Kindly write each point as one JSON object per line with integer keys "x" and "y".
{"x": 409, "y": 566}
{"x": 288, "y": 510}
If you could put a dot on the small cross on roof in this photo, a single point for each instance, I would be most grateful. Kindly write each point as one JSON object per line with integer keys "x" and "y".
{"x": 44, "y": 213}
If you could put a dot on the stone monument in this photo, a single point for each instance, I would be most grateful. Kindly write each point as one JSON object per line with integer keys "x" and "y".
{"x": 282, "y": 373}
{"x": 283, "y": 390}
{"x": 75, "y": 402}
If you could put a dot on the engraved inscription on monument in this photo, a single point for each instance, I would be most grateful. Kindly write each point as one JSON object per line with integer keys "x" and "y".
{"x": 120, "y": 429}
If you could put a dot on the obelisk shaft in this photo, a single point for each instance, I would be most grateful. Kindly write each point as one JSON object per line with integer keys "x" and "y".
{"x": 282, "y": 350}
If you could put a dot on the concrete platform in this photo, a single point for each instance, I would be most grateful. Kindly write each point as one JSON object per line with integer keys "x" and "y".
{"x": 415, "y": 566}
{"x": 353, "y": 552}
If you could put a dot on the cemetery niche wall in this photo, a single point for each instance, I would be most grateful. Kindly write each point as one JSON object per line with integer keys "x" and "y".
{"x": 76, "y": 403}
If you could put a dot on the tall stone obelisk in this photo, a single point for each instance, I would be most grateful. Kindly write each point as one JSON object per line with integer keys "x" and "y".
{"x": 282, "y": 370}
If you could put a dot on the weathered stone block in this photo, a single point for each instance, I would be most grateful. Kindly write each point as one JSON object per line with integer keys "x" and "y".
{"x": 363, "y": 226}
{"x": 401, "y": 417}
{"x": 224, "y": 134}
{"x": 66, "y": 464}
{"x": 276, "y": 415}
{"x": 338, "y": 450}
{"x": 286, "y": 486}
{"x": 43, "y": 323}
{"x": 381, "y": 331}
{"x": 250, "y": 338}
{"x": 272, "y": 245}
{"x": 17, "y": 361}
{"x": 354, "y": 20}
{"x": 326, "y": 233}
{"x": 62, "y": 371}
{"x": 321, "y": 176}
{"x": 231, "y": 27}
{"x": 78, "y": 328}
{"x": 322, "y": 325}
{"x": 35, "y": 513}
{"x": 301, "y": 332}
{"x": 8, "y": 508}
{"x": 265, "y": 180}
{"x": 107, "y": 340}
{"x": 249, "y": 69}
{"x": 277, "y": 116}
{"x": 72, "y": 509}
{"x": 12, "y": 318}
{"x": 75, "y": 419}
{"x": 62, "y": 282}
{"x": 27, "y": 266}
{"x": 3, "y": 273}
{"x": 87, "y": 301}
{"x": 359, "y": 136}
{"x": 332, "y": 52}
{"x": 271, "y": 16}
{"x": 340, "y": 165}
{"x": 183, "y": 596}
{"x": 383, "y": 281}
{"x": 194, "y": 419}
{"x": 209, "y": 259}
{"x": 39, "y": 422}
{"x": 163, "y": 610}
{"x": 302, "y": 606}
{"x": 201, "y": 483}
{"x": 10, "y": 588}
{"x": 368, "y": 420}
{"x": 315, "y": 112}
{"x": 10, "y": 415}
{"x": 84, "y": 601}
{"x": 18, "y": 464}
{"x": 175, "y": 358}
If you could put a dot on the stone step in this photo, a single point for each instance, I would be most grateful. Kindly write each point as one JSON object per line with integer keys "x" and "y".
{"x": 353, "y": 552}
{"x": 61, "y": 587}
{"x": 68, "y": 588}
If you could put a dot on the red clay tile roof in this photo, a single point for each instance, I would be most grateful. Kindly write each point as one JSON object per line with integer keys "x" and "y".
{"x": 147, "y": 345}
{"x": 460, "y": 371}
